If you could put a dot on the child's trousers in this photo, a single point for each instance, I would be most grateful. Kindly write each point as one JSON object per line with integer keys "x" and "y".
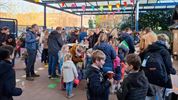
{"x": 69, "y": 86}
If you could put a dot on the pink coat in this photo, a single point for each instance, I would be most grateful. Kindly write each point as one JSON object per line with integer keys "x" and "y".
{"x": 116, "y": 62}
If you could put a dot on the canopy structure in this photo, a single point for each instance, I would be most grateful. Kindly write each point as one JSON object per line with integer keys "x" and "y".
{"x": 105, "y": 7}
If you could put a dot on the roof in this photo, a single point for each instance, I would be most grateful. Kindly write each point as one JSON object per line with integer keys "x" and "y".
{"x": 103, "y": 7}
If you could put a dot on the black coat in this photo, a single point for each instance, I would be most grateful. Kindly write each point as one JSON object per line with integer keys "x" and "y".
{"x": 98, "y": 86}
{"x": 95, "y": 39}
{"x": 8, "y": 83}
{"x": 55, "y": 43}
{"x": 158, "y": 46}
{"x": 134, "y": 87}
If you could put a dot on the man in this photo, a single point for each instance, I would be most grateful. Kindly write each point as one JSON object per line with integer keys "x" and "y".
{"x": 31, "y": 46}
{"x": 55, "y": 44}
{"x": 6, "y": 38}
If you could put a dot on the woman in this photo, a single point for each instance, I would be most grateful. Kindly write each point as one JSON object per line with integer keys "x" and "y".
{"x": 103, "y": 45}
{"x": 45, "y": 47}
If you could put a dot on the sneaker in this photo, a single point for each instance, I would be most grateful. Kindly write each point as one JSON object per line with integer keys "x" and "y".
{"x": 49, "y": 76}
{"x": 35, "y": 75}
{"x": 30, "y": 78}
{"x": 70, "y": 96}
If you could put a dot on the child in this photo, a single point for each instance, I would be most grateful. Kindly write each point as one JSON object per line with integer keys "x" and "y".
{"x": 135, "y": 85}
{"x": 69, "y": 73}
{"x": 7, "y": 75}
{"x": 62, "y": 53}
{"x": 98, "y": 85}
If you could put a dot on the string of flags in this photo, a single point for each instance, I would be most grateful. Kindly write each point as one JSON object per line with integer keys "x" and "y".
{"x": 120, "y": 6}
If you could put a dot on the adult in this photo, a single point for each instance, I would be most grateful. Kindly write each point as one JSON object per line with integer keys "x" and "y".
{"x": 82, "y": 35}
{"x": 7, "y": 75}
{"x": 160, "y": 49}
{"x": 129, "y": 39}
{"x": 55, "y": 44}
{"x": 147, "y": 39}
{"x": 2, "y": 37}
{"x": 31, "y": 46}
{"x": 103, "y": 45}
{"x": 45, "y": 47}
{"x": 74, "y": 36}
{"x": 95, "y": 36}
{"x": 7, "y": 38}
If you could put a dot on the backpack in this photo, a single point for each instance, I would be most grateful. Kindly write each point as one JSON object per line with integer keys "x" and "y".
{"x": 154, "y": 68}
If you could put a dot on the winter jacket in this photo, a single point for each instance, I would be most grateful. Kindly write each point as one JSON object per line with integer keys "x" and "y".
{"x": 82, "y": 35}
{"x": 8, "y": 83}
{"x": 129, "y": 39}
{"x": 134, "y": 87}
{"x": 110, "y": 55}
{"x": 98, "y": 86}
{"x": 55, "y": 43}
{"x": 69, "y": 71}
{"x": 30, "y": 41}
{"x": 161, "y": 48}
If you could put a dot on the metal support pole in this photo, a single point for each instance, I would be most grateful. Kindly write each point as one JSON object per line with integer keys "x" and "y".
{"x": 44, "y": 16}
{"x": 81, "y": 21}
{"x": 137, "y": 16}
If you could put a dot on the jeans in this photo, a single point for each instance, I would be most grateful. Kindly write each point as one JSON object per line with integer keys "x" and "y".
{"x": 69, "y": 87}
{"x": 53, "y": 60}
{"x": 31, "y": 58}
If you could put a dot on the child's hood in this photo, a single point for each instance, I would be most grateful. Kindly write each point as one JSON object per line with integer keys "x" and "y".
{"x": 4, "y": 66}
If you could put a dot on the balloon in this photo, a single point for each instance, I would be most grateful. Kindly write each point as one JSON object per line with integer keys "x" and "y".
{"x": 37, "y": 0}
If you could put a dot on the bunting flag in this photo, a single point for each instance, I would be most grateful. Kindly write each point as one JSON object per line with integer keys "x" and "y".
{"x": 93, "y": 7}
{"x": 118, "y": 5}
{"x": 73, "y": 5}
{"x": 113, "y": 13}
{"x": 62, "y": 4}
{"x": 125, "y": 3}
{"x": 37, "y": 0}
{"x": 132, "y": 2}
{"x": 83, "y": 7}
{"x": 101, "y": 8}
{"x": 110, "y": 7}
{"x": 119, "y": 11}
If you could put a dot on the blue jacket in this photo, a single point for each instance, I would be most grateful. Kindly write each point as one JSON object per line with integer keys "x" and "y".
{"x": 110, "y": 55}
{"x": 82, "y": 35}
{"x": 30, "y": 41}
{"x": 98, "y": 85}
{"x": 8, "y": 83}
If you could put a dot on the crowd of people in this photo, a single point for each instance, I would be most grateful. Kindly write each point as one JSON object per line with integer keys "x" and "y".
{"x": 106, "y": 60}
